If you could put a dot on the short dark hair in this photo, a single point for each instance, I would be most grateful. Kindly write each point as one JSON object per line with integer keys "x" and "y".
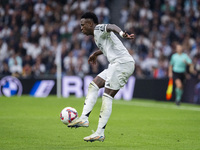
{"x": 90, "y": 15}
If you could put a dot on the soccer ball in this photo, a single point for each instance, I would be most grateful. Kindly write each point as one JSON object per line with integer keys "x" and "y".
{"x": 68, "y": 114}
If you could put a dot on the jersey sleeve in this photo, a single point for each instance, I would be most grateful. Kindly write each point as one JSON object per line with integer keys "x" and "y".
{"x": 188, "y": 60}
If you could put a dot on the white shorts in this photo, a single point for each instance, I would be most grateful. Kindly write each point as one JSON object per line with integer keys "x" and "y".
{"x": 117, "y": 74}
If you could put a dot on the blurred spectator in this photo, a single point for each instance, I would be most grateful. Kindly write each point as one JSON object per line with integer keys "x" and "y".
{"x": 39, "y": 9}
{"x": 139, "y": 73}
{"x": 96, "y": 69}
{"x": 3, "y": 50}
{"x": 102, "y": 12}
{"x": 44, "y": 41}
{"x": 33, "y": 49}
{"x": 165, "y": 48}
{"x": 27, "y": 60}
{"x": 124, "y": 15}
{"x": 38, "y": 68}
{"x": 196, "y": 48}
{"x": 69, "y": 63}
{"x": 5, "y": 33}
{"x": 15, "y": 64}
{"x": 63, "y": 47}
{"x": 38, "y": 27}
{"x": 145, "y": 11}
{"x": 27, "y": 71}
{"x": 82, "y": 66}
{"x": 80, "y": 4}
{"x": 41, "y": 28}
{"x": 149, "y": 64}
{"x": 161, "y": 70}
{"x": 20, "y": 49}
{"x": 88, "y": 45}
{"x": 5, "y": 69}
{"x": 196, "y": 62}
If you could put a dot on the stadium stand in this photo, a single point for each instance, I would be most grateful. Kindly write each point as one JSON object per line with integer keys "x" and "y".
{"x": 31, "y": 32}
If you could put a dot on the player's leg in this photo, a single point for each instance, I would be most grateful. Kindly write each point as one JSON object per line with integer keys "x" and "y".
{"x": 104, "y": 116}
{"x": 117, "y": 78}
{"x": 106, "y": 109}
{"x": 178, "y": 90}
{"x": 92, "y": 96}
{"x": 90, "y": 101}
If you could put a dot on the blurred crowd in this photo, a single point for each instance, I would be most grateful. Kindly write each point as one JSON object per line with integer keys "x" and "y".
{"x": 158, "y": 26}
{"x": 33, "y": 31}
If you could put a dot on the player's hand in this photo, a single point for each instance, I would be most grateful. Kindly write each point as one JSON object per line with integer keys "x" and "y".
{"x": 170, "y": 74}
{"x": 128, "y": 36}
{"x": 92, "y": 59}
{"x": 185, "y": 61}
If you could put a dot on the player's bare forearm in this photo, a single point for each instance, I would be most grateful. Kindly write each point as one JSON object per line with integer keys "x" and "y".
{"x": 93, "y": 57}
{"x": 170, "y": 74}
{"x": 191, "y": 69}
{"x": 98, "y": 52}
{"x": 116, "y": 29}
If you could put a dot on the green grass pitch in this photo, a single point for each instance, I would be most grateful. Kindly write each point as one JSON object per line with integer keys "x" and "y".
{"x": 28, "y": 123}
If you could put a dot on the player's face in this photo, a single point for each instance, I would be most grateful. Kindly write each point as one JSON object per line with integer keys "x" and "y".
{"x": 179, "y": 49}
{"x": 86, "y": 26}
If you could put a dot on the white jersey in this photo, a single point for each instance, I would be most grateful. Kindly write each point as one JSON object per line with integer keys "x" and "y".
{"x": 110, "y": 45}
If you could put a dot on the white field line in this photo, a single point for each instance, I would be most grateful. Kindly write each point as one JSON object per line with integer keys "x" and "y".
{"x": 156, "y": 105}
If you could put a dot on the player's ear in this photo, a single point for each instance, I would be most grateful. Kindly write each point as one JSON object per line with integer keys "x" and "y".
{"x": 90, "y": 23}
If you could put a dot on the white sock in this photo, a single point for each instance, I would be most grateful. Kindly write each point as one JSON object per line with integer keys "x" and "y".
{"x": 90, "y": 100}
{"x": 105, "y": 113}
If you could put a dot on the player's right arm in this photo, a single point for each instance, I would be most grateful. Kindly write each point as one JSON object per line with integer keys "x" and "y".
{"x": 116, "y": 29}
{"x": 93, "y": 57}
{"x": 170, "y": 73}
{"x": 170, "y": 68}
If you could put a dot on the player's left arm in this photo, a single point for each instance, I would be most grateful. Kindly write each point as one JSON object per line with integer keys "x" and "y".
{"x": 116, "y": 29}
{"x": 191, "y": 69}
{"x": 188, "y": 61}
{"x": 93, "y": 57}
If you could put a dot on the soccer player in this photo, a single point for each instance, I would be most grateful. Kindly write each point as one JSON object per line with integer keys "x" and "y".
{"x": 121, "y": 67}
{"x": 177, "y": 69}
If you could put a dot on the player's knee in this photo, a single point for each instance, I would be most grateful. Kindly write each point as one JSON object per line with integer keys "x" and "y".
{"x": 111, "y": 92}
{"x": 93, "y": 85}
